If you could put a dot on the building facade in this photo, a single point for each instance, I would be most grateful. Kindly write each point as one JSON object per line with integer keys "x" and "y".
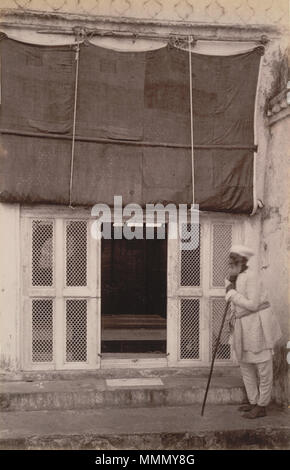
{"x": 57, "y": 282}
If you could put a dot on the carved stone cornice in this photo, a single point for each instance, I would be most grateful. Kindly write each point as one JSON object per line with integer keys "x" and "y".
{"x": 246, "y": 12}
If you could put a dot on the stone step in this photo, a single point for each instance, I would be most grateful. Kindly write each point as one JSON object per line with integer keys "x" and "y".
{"x": 220, "y": 370}
{"x": 119, "y": 390}
{"x": 159, "y": 428}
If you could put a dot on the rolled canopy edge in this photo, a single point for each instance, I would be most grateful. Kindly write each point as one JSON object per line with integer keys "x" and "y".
{"x": 123, "y": 44}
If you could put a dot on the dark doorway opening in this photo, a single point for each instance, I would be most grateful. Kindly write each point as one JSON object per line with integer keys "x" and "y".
{"x": 134, "y": 295}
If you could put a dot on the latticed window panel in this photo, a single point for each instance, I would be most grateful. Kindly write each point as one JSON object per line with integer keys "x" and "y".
{"x": 217, "y": 312}
{"x": 76, "y": 330}
{"x": 221, "y": 244}
{"x": 42, "y": 330}
{"x": 76, "y": 253}
{"x": 42, "y": 253}
{"x": 190, "y": 256}
{"x": 189, "y": 329}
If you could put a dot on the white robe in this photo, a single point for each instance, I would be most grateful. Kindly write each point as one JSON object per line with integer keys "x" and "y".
{"x": 258, "y": 331}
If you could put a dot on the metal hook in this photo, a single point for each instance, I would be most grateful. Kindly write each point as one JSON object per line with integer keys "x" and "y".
{"x": 181, "y": 42}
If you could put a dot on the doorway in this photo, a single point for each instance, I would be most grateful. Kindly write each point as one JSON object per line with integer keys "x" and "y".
{"x": 139, "y": 298}
{"x": 133, "y": 296}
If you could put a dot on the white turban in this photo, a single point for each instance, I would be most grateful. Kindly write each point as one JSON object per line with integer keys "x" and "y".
{"x": 242, "y": 250}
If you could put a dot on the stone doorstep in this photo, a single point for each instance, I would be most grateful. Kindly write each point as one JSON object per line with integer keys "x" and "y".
{"x": 221, "y": 427}
{"x": 91, "y": 393}
{"x": 219, "y": 371}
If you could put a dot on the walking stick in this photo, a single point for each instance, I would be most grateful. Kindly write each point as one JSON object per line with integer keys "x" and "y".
{"x": 213, "y": 357}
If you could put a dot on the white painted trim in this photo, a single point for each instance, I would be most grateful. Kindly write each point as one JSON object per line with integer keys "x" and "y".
{"x": 172, "y": 329}
{"x": 255, "y": 200}
{"x": 18, "y": 343}
{"x": 172, "y": 301}
{"x": 54, "y": 211}
{"x": 206, "y": 280}
{"x": 59, "y": 293}
{"x": 206, "y": 292}
{"x": 59, "y": 253}
{"x": 97, "y": 335}
{"x": 138, "y": 363}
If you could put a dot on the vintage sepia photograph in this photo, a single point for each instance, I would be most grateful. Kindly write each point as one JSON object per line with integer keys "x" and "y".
{"x": 144, "y": 229}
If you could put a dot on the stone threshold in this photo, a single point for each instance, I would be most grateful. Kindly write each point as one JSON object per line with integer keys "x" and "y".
{"x": 220, "y": 370}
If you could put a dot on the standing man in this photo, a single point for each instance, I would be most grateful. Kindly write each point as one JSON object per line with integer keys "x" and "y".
{"x": 255, "y": 331}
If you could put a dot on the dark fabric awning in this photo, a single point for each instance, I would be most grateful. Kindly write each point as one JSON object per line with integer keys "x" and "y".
{"x": 132, "y": 126}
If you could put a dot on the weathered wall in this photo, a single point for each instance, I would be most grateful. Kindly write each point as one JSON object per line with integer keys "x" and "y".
{"x": 275, "y": 235}
{"x": 9, "y": 286}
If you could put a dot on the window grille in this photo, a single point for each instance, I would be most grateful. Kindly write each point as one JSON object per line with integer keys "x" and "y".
{"x": 76, "y": 253}
{"x": 42, "y": 330}
{"x": 42, "y": 253}
{"x": 189, "y": 329}
{"x": 217, "y": 312}
{"x": 222, "y": 241}
{"x": 76, "y": 330}
{"x": 190, "y": 257}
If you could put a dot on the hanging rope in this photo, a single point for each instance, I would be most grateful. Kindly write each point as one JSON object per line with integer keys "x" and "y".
{"x": 190, "y": 39}
{"x": 77, "y": 56}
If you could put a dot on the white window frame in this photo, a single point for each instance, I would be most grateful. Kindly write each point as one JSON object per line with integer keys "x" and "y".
{"x": 205, "y": 292}
{"x": 59, "y": 292}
